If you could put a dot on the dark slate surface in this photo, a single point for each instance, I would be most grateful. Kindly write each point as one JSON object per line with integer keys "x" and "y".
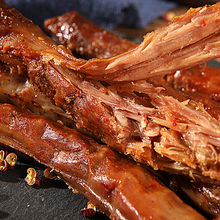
{"x": 51, "y": 200}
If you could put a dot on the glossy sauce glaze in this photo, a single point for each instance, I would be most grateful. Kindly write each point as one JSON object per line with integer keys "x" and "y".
{"x": 113, "y": 183}
{"x": 202, "y": 79}
{"x": 84, "y": 38}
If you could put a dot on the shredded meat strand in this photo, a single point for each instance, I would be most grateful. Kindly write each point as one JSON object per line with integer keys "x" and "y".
{"x": 190, "y": 39}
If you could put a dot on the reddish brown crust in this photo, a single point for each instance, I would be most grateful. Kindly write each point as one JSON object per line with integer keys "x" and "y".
{"x": 118, "y": 120}
{"x": 116, "y": 185}
{"x": 201, "y": 79}
{"x": 84, "y": 38}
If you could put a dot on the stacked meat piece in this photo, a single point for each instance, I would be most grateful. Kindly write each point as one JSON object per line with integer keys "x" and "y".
{"x": 135, "y": 118}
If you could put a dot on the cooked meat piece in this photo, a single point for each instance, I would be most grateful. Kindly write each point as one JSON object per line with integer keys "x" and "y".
{"x": 204, "y": 196}
{"x": 25, "y": 43}
{"x": 125, "y": 91}
{"x": 113, "y": 183}
{"x": 184, "y": 85}
{"x": 17, "y": 89}
{"x": 136, "y": 119}
{"x": 202, "y": 79}
{"x": 191, "y": 38}
{"x": 188, "y": 40}
{"x": 84, "y": 38}
{"x": 199, "y": 79}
